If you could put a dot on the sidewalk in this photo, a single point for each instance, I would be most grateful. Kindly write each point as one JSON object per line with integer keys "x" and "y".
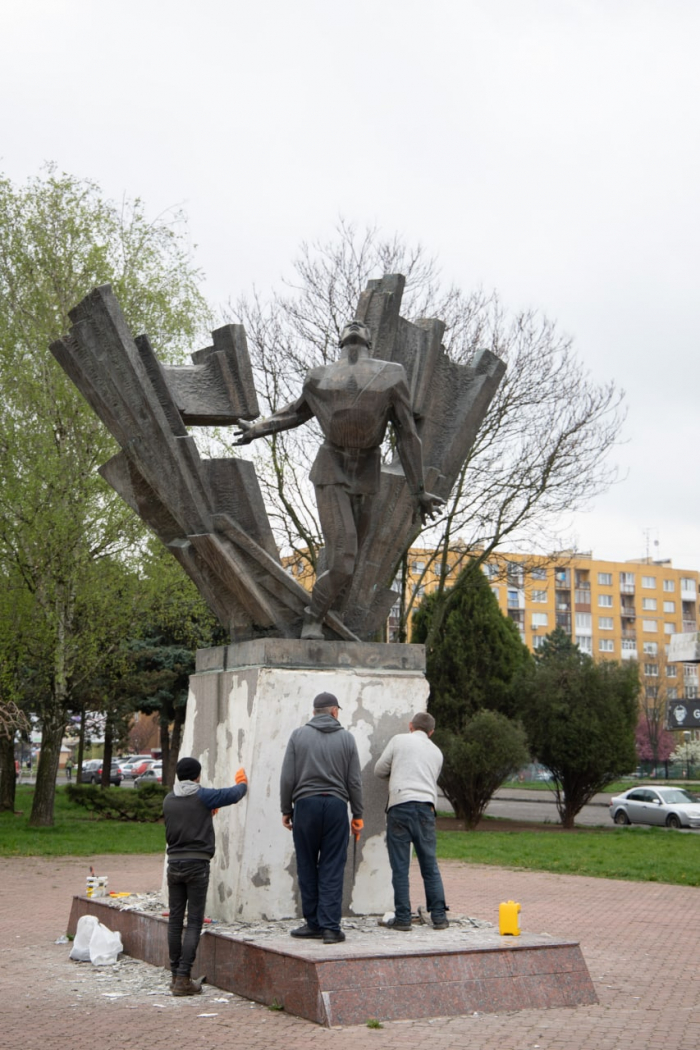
{"x": 640, "y": 941}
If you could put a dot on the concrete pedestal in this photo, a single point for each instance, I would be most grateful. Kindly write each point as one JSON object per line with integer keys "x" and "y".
{"x": 245, "y": 700}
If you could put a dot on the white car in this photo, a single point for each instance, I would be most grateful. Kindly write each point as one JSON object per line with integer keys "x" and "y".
{"x": 671, "y": 807}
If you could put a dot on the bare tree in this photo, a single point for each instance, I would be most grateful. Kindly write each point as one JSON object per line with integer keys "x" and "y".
{"x": 541, "y": 451}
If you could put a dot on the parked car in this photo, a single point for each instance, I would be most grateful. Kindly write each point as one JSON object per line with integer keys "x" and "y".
{"x": 140, "y": 766}
{"x": 670, "y": 806}
{"x": 134, "y": 760}
{"x": 91, "y": 772}
{"x": 154, "y": 775}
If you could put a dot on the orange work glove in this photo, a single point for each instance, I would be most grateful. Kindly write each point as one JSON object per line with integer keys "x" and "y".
{"x": 356, "y": 826}
{"x": 241, "y": 778}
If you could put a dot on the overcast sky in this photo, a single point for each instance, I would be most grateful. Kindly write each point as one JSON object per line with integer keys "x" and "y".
{"x": 545, "y": 148}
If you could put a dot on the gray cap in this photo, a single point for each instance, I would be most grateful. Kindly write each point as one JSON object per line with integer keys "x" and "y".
{"x": 325, "y": 700}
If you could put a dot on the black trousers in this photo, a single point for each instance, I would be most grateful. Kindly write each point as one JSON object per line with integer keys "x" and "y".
{"x": 188, "y": 881}
{"x": 321, "y": 831}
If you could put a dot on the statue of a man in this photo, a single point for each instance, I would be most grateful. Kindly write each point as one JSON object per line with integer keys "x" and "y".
{"x": 353, "y": 400}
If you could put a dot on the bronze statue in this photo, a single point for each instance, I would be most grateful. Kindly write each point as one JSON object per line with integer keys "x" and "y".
{"x": 353, "y": 400}
{"x": 210, "y": 513}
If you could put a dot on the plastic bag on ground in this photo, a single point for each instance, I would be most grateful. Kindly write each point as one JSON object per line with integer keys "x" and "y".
{"x": 105, "y": 946}
{"x": 83, "y": 934}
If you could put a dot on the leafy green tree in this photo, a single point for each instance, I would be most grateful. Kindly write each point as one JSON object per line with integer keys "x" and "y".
{"x": 478, "y": 759}
{"x": 59, "y": 238}
{"x": 475, "y": 656}
{"x": 580, "y": 718}
{"x": 471, "y": 665}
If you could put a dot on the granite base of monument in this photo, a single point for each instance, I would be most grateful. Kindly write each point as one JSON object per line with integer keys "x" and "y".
{"x": 245, "y": 700}
{"x": 374, "y": 973}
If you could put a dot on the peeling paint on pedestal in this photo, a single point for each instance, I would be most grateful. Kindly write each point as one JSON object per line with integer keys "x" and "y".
{"x": 243, "y": 716}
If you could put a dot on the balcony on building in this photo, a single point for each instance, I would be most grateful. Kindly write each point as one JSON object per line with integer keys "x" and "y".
{"x": 562, "y": 578}
{"x": 688, "y": 590}
{"x": 582, "y": 599}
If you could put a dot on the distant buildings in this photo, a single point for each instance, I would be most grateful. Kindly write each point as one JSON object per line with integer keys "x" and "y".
{"x": 611, "y": 610}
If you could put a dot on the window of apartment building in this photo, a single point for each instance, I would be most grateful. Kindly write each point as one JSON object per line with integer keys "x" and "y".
{"x": 628, "y": 644}
{"x": 540, "y": 573}
{"x": 512, "y": 599}
{"x": 650, "y": 648}
{"x": 690, "y": 670}
{"x": 671, "y": 671}
{"x": 669, "y": 607}
{"x": 690, "y": 692}
{"x": 494, "y": 592}
{"x": 649, "y": 604}
{"x": 651, "y": 670}
{"x": 537, "y": 641}
{"x": 669, "y": 628}
{"x": 669, "y": 585}
{"x": 627, "y": 581}
{"x": 585, "y": 644}
{"x": 649, "y": 582}
{"x": 515, "y": 572}
{"x": 540, "y": 620}
{"x": 605, "y": 600}
{"x": 649, "y": 625}
{"x": 671, "y": 692}
{"x": 490, "y": 570}
{"x": 583, "y": 621}
{"x": 651, "y": 692}
{"x": 605, "y": 579}
{"x": 605, "y": 623}
{"x": 687, "y": 584}
{"x": 419, "y": 566}
{"x": 539, "y": 596}
{"x": 606, "y": 645}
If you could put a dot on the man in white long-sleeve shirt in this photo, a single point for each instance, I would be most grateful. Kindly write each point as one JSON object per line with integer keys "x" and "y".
{"x": 412, "y": 763}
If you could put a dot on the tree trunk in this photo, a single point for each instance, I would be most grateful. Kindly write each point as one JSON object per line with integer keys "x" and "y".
{"x": 172, "y": 741}
{"x": 8, "y": 776}
{"x": 52, "y": 731}
{"x": 107, "y": 755}
{"x": 81, "y": 746}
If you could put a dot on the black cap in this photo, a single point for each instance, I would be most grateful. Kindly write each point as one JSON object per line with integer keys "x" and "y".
{"x": 188, "y": 769}
{"x": 325, "y": 700}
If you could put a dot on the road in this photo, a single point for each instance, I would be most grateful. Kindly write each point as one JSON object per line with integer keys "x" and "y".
{"x": 540, "y": 807}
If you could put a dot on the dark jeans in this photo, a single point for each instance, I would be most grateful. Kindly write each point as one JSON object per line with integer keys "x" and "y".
{"x": 321, "y": 831}
{"x": 413, "y": 823}
{"x": 188, "y": 881}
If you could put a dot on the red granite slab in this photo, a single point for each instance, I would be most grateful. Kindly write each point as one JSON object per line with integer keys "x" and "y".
{"x": 381, "y": 975}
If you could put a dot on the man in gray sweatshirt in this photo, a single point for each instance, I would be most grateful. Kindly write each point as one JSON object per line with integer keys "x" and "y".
{"x": 412, "y": 763}
{"x": 320, "y": 776}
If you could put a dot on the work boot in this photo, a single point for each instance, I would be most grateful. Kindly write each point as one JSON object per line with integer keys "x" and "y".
{"x": 307, "y": 931}
{"x": 441, "y": 923}
{"x": 184, "y": 985}
{"x": 396, "y": 924}
{"x": 333, "y": 936}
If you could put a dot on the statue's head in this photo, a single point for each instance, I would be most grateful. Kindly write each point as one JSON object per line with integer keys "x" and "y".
{"x": 356, "y": 332}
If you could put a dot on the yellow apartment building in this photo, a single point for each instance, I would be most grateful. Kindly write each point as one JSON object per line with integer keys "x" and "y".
{"x": 612, "y": 610}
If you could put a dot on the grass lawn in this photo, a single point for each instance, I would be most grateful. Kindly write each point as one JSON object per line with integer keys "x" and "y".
{"x": 75, "y": 833}
{"x": 638, "y": 854}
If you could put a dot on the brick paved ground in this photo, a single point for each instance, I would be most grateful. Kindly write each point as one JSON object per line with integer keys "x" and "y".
{"x": 641, "y": 943}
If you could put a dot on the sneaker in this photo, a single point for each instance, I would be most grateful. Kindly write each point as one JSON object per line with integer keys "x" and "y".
{"x": 441, "y": 923}
{"x": 333, "y": 936}
{"x": 307, "y": 931}
{"x": 402, "y": 927}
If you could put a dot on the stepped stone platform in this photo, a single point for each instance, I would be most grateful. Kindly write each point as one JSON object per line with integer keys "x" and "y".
{"x": 375, "y": 973}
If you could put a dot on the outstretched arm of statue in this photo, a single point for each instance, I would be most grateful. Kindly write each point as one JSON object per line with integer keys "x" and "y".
{"x": 287, "y": 418}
